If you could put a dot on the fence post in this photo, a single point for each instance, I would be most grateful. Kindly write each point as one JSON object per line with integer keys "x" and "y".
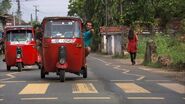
{"x": 150, "y": 51}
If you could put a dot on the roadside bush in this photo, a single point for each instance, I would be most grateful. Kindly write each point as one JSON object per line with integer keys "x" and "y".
{"x": 141, "y": 46}
{"x": 166, "y": 46}
{"x": 170, "y": 46}
{"x": 163, "y": 43}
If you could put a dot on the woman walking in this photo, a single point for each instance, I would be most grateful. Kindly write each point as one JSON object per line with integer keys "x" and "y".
{"x": 132, "y": 45}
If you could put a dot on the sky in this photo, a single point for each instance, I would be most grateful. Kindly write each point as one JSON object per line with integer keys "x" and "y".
{"x": 45, "y": 7}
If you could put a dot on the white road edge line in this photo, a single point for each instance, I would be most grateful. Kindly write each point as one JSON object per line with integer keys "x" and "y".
{"x": 44, "y": 98}
{"x": 183, "y": 98}
{"x": 1, "y": 99}
{"x": 145, "y": 98}
{"x": 99, "y": 60}
{"x": 140, "y": 78}
{"x": 91, "y": 98}
{"x": 118, "y": 67}
{"x": 108, "y": 64}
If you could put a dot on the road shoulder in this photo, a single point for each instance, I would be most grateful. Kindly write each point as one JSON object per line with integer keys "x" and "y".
{"x": 178, "y": 76}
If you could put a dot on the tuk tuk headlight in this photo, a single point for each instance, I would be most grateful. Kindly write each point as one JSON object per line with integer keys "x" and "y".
{"x": 62, "y": 61}
{"x": 62, "y": 55}
{"x": 18, "y": 55}
{"x": 19, "y": 52}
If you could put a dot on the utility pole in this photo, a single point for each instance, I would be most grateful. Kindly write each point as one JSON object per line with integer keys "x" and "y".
{"x": 31, "y": 18}
{"x": 36, "y": 10}
{"x": 18, "y": 11}
{"x": 13, "y": 18}
{"x": 106, "y": 10}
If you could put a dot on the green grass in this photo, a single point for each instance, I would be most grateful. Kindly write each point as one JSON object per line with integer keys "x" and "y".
{"x": 166, "y": 46}
{"x": 170, "y": 46}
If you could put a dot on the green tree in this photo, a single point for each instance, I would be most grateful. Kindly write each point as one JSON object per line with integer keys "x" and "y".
{"x": 128, "y": 12}
{"x": 76, "y": 8}
{"x": 5, "y": 5}
{"x": 166, "y": 10}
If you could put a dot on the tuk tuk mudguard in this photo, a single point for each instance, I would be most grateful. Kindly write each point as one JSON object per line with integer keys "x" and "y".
{"x": 19, "y": 60}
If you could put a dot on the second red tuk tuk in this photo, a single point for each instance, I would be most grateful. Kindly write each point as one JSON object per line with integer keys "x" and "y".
{"x": 63, "y": 47}
{"x": 20, "y": 47}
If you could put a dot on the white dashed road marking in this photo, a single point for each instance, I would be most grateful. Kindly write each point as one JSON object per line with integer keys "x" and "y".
{"x": 43, "y": 98}
{"x": 91, "y": 98}
{"x": 145, "y": 98}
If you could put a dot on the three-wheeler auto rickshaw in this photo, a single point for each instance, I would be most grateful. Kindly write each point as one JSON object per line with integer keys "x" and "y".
{"x": 20, "y": 47}
{"x": 63, "y": 47}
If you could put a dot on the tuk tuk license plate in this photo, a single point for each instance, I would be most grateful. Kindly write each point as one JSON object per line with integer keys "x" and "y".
{"x": 62, "y": 40}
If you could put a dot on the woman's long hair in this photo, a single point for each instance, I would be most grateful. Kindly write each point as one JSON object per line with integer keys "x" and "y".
{"x": 131, "y": 34}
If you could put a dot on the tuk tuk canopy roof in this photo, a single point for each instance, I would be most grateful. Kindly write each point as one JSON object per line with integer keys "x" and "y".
{"x": 61, "y": 18}
{"x": 20, "y": 27}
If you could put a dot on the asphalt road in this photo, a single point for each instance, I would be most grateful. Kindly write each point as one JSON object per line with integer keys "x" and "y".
{"x": 109, "y": 82}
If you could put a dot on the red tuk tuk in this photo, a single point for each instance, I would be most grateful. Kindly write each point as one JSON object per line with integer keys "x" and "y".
{"x": 20, "y": 47}
{"x": 63, "y": 47}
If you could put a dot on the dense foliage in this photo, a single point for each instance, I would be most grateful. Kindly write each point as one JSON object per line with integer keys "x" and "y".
{"x": 5, "y": 5}
{"x": 120, "y": 12}
{"x": 148, "y": 13}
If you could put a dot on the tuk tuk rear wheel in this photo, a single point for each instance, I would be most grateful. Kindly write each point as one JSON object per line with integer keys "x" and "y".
{"x": 19, "y": 65}
{"x": 8, "y": 68}
{"x": 62, "y": 75}
{"x": 42, "y": 73}
{"x": 84, "y": 72}
{"x": 39, "y": 66}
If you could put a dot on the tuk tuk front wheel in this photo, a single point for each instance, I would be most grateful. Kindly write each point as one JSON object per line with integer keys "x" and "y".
{"x": 42, "y": 73}
{"x": 8, "y": 68}
{"x": 19, "y": 65}
{"x": 62, "y": 75}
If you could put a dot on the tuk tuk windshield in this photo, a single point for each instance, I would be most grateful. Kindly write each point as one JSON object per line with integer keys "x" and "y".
{"x": 19, "y": 35}
{"x": 62, "y": 29}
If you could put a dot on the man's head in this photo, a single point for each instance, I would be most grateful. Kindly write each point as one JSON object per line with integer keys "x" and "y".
{"x": 89, "y": 25}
